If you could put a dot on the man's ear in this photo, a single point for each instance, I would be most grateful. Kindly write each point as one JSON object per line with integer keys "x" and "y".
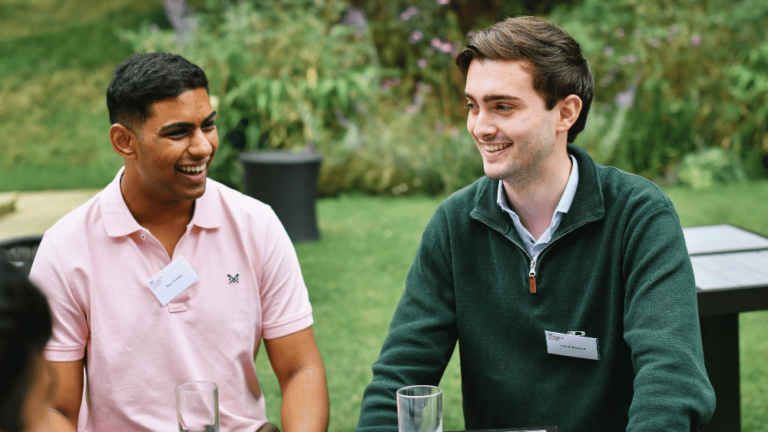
{"x": 124, "y": 141}
{"x": 570, "y": 108}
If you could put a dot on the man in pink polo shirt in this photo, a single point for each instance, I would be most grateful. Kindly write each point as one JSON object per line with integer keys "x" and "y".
{"x": 166, "y": 276}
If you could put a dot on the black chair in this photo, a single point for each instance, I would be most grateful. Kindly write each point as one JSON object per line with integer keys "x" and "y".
{"x": 20, "y": 251}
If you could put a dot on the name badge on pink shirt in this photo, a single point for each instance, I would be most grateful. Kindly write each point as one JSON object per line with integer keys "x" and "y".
{"x": 172, "y": 280}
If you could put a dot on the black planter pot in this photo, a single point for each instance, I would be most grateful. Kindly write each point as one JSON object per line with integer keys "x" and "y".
{"x": 288, "y": 183}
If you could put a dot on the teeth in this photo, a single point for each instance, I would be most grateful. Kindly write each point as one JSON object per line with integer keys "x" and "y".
{"x": 496, "y": 147}
{"x": 191, "y": 170}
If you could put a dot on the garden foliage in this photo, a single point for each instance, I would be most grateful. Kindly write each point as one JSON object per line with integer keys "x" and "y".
{"x": 305, "y": 75}
{"x": 675, "y": 78}
{"x": 372, "y": 85}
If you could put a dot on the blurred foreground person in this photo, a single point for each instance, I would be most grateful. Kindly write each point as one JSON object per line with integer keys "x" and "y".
{"x": 566, "y": 284}
{"x": 166, "y": 276}
{"x": 26, "y": 381}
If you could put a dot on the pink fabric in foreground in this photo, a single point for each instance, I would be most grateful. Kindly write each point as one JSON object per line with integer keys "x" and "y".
{"x": 94, "y": 265}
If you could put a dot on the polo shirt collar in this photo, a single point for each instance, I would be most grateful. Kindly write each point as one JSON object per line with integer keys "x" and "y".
{"x": 208, "y": 207}
{"x": 119, "y": 222}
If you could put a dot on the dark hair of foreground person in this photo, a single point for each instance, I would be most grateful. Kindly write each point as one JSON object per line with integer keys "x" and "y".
{"x": 25, "y": 327}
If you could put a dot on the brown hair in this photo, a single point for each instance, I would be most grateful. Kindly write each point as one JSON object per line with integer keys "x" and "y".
{"x": 559, "y": 68}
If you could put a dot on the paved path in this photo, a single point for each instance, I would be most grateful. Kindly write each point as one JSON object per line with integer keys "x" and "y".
{"x": 35, "y": 212}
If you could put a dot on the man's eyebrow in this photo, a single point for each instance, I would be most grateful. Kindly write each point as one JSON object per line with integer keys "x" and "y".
{"x": 185, "y": 124}
{"x": 494, "y": 97}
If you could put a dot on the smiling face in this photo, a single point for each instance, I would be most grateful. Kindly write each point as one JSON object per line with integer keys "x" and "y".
{"x": 175, "y": 148}
{"x": 508, "y": 119}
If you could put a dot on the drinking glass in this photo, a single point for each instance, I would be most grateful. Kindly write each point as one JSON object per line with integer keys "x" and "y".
{"x": 197, "y": 406}
{"x": 420, "y": 409}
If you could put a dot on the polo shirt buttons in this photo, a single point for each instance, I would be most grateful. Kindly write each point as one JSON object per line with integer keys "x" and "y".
{"x": 161, "y": 265}
{"x": 143, "y": 236}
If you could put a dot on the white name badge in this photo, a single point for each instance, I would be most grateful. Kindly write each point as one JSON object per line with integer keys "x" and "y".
{"x": 172, "y": 280}
{"x": 572, "y": 345}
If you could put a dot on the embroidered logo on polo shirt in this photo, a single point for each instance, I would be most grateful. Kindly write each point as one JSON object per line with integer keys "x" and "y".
{"x": 233, "y": 279}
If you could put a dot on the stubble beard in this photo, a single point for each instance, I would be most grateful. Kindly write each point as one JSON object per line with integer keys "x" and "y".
{"x": 528, "y": 166}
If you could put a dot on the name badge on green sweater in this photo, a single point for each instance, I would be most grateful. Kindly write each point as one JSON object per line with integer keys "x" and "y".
{"x": 571, "y": 345}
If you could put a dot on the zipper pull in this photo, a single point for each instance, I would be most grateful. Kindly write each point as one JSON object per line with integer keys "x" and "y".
{"x": 532, "y": 276}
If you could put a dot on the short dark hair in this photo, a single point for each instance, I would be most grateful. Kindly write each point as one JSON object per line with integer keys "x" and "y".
{"x": 25, "y": 327}
{"x": 142, "y": 79}
{"x": 558, "y": 66}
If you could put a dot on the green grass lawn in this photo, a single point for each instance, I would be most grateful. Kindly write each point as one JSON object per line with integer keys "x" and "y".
{"x": 356, "y": 272}
{"x": 56, "y": 61}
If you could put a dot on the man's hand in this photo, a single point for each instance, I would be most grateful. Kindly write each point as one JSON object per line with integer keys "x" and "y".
{"x": 69, "y": 388}
{"x": 301, "y": 374}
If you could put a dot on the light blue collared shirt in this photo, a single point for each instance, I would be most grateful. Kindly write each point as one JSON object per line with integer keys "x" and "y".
{"x": 534, "y": 246}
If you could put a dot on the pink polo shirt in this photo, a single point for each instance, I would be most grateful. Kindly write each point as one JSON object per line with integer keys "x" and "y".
{"x": 94, "y": 265}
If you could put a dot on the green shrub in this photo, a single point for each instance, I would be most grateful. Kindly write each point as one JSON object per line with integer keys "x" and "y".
{"x": 403, "y": 150}
{"x": 282, "y": 72}
{"x": 305, "y": 74}
{"x": 689, "y": 73}
{"x": 706, "y": 168}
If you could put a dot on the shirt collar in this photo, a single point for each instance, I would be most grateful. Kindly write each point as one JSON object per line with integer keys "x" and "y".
{"x": 565, "y": 200}
{"x": 119, "y": 222}
{"x": 208, "y": 207}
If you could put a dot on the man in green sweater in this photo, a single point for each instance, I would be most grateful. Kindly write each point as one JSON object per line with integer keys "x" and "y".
{"x": 566, "y": 284}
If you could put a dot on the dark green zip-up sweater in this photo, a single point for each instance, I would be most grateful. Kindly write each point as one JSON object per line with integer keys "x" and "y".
{"x": 617, "y": 269}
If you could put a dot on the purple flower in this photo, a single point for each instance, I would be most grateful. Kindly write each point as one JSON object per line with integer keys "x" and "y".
{"x": 415, "y": 36}
{"x": 410, "y": 109}
{"x": 422, "y": 88}
{"x": 181, "y": 16}
{"x": 355, "y": 17}
{"x": 435, "y": 42}
{"x": 608, "y": 50}
{"x": 408, "y": 13}
{"x": 638, "y": 33}
{"x": 696, "y": 40}
{"x": 674, "y": 28}
{"x": 607, "y": 80}
{"x": 443, "y": 2}
{"x": 620, "y": 32}
{"x": 422, "y": 63}
{"x": 626, "y": 98}
{"x": 389, "y": 82}
{"x": 446, "y": 47}
{"x": 654, "y": 42}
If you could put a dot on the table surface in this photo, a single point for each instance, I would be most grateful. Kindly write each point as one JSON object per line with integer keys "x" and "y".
{"x": 722, "y": 238}
{"x": 727, "y": 257}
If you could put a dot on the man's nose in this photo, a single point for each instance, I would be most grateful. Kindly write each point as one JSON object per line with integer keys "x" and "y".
{"x": 483, "y": 127}
{"x": 201, "y": 145}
